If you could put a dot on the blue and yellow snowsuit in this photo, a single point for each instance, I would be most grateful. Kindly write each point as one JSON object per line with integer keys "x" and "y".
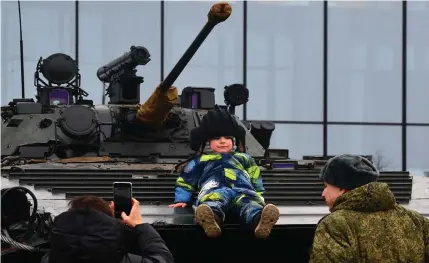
{"x": 226, "y": 182}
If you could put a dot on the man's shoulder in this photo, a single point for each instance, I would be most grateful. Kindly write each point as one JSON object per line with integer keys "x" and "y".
{"x": 339, "y": 218}
{"x": 336, "y": 224}
{"x": 417, "y": 218}
{"x": 351, "y": 218}
{"x": 334, "y": 216}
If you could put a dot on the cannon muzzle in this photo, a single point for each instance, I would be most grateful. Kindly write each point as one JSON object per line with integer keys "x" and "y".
{"x": 218, "y": 13}
{"x": 155, "y": 109}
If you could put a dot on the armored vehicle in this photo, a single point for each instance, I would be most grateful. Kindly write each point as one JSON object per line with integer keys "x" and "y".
{"x": 62, "y": 146}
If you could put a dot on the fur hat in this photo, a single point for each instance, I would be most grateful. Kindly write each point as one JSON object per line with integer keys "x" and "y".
{"x": 216, "y": 123}
{"x": 349, "y": 171}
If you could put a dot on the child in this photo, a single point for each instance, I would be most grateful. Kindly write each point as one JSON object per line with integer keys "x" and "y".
{"x": 227, "y": 180}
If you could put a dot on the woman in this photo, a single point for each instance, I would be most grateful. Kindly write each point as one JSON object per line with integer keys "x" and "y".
{"x": 88, "y": 232}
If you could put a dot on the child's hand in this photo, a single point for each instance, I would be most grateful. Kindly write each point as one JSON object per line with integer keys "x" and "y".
{"x": 178, "y": 205}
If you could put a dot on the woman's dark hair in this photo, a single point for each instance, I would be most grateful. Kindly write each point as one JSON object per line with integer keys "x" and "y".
{"x": 94, "y": 202}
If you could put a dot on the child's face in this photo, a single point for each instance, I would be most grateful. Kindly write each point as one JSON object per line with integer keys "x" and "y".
{"x": 221, "y": 144}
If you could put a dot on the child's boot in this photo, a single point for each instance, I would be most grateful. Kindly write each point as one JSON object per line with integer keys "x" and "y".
{"x": 268, "y": 218}
{"x": 208, "y": 220}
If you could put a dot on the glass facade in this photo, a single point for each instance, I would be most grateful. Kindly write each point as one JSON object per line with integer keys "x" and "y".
{"x": 335, "y": 77}
{"x": 47, "y": 28}
{"x": 285, "y": 62}
{"x": 365, "y": 61}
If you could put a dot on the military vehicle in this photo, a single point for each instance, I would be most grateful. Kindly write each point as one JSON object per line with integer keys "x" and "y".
{"x": 62, "y": 146}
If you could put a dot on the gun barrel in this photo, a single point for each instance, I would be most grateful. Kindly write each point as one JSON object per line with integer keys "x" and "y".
{"x": 218, "y": 13}
{"x": 155, "y": 110}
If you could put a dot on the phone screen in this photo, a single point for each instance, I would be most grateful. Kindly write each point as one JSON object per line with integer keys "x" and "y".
{"x": 122, "y": 193}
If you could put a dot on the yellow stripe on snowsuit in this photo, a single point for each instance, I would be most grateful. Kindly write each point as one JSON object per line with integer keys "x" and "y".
{"x": 181, "y": 183}
{"x": 213, "y": 196}
{"x": 230, "y": 174}
{"x": 210, "y": 157}
{"x": 255, "y": 201}
{"x": 243, "y": 156}
{"x": 254, "y": 173}
{"x": 237, "y": 164}
{"x": 239, "y": 199}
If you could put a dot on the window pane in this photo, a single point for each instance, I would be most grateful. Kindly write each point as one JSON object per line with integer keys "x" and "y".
{"x": 382, "y": 142}
{"x": 417, "y": 61}
{"x": 285, "y": 60}
{"x": 108, "y": 30}
{"x": 417, "y": 149}
{"x": 47, "y": 28}
{"x": 300, "y": 139}
{"x": 219, "y": 61}
{"x": 365, "y": 61}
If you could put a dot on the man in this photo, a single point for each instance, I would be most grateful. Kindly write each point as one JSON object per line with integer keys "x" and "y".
{"x": 365, "y": 224}
{"x": 88, "y": 233}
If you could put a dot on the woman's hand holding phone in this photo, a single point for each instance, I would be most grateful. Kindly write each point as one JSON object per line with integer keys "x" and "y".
{"x": 134, "y": 218}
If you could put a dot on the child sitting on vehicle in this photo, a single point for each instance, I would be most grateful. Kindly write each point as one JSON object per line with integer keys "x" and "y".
{"x": 227, "y": 180}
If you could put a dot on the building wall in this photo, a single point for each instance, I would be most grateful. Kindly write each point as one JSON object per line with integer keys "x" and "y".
{"x": 291, "y": 56}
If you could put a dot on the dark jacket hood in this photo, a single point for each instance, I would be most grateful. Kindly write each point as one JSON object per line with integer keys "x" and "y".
{"x": 371, "y": 197}
{"x": 86, "y": 235}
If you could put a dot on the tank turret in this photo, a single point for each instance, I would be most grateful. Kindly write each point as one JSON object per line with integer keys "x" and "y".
{"x": 62, "y": 124}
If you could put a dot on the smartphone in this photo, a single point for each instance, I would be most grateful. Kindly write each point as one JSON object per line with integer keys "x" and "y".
{"x": 122, "y": 197}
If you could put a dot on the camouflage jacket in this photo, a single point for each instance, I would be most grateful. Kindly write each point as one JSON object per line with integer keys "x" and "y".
{"x": 366, "y": 225}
